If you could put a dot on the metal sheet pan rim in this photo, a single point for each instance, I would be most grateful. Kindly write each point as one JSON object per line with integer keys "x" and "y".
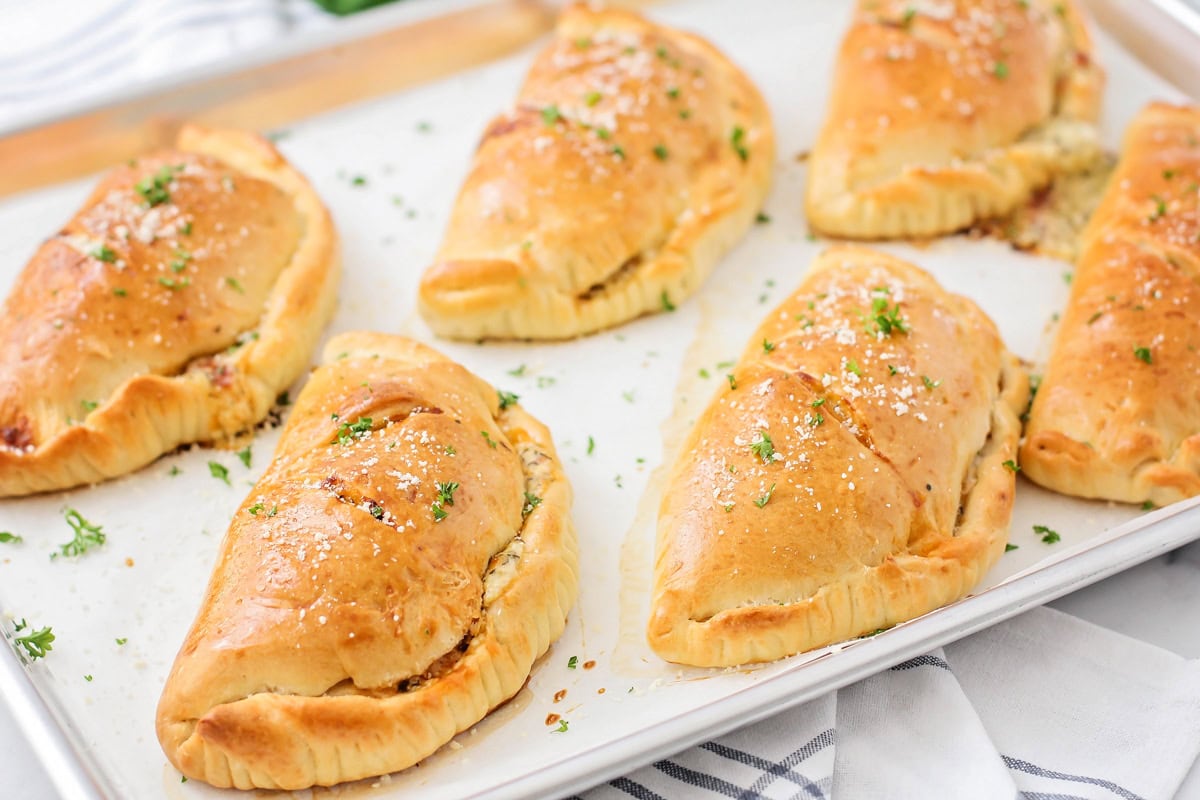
{"x": 70, "y": 766}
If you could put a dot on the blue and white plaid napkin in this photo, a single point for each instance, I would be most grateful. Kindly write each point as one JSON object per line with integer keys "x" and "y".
{"x": 1043, "y": 707}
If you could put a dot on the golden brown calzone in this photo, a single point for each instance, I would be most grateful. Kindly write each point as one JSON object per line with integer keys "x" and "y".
{"x": 186, "y": 293}
{"x": 944, "y": 113}
{"x": 1118, "y": 413}
{"x": 850, "y": 476}
{"x": 391, "y": 578}
{"x": 635, "y": 156}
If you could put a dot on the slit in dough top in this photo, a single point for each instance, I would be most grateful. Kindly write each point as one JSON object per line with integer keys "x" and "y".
{"x": 944, "y": 112}
{"x": 633, "y": 157}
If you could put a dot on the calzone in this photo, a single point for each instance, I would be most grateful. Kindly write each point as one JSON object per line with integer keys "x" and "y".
{"x": 391, "y": 578}
{"x": 945, "y": 112}
{"x": 634, "y": 157}
{"x": 856, "y": 470}
{"x": 1117, "y": 415}
{"x": 189, "y": 289}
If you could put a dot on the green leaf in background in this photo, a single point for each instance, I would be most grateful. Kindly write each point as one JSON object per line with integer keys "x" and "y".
{"x": 343, "y": 7}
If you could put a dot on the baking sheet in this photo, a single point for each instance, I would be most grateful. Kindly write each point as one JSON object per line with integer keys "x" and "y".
{"x": 632, "y": 392}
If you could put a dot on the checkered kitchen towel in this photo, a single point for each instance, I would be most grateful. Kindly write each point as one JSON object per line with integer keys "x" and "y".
{"x": 1043, "y": 707}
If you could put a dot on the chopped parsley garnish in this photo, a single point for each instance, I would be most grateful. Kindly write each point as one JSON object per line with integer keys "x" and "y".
{"x": 685, "y": 113}
{"x": 768, "y": 345}
{"x": 1008, "y": 548}
{"x": 507, "y": 399}
{"x": 618, "y": 151}
{"x": 186, "y": 228}
{"x": 592, "y": 98}
{"x": 816, "y": 420}
{"x": 235, "y": 284}
{"x": 591, "y": 448}
{"x": 761, "y": 218}
{"x": 119, "y": 292}
{"x": 1168, "y": 174}
{"x": 86, "y": 536}
{"x": 572, "y": 662}
{"x": 1095, "y": 317}
{"x": 182, "y": 257}
{"x": 930, "y": 383}
{"x": 121, "y": 641}
{"x": 562, "y": 727}
{"x": 36, "y": 643}
{"x": 551, "y": 114}
{"x": 892, "y": 369}
{"x": 673, "y": 92}
{"x": 732, "y": 381}
{"x": 1146, "y": 506}
{"x": 1048, "y": 536}
{"x": 518, "y": 372}
{"x": 885, "y": 320}
{"x": 661, "y": 52}
{"x": 1143, "y": 354}
{"x": 820, "y": 401}
{"x": 1000, "y": 70}
{"x": 358, "y": 180}
{"x": 172, "y": 284}
{"x": 1012, "y": 466}
{"x": 603, "y": 133}
{"x": 766, "y": 498}
{"x": 174, "y": 470}
{"x": 219, "y": 471}
{"x": 255, "y": 509}
{"x": 9, "y": 538}
{"x": 153, "y": 188}
{"x": 660, "y": 152}
{"x": 347, "y": 432}
{"x": 910, "y": 14}
{"x": 88, "y": 678}
{"x": 89, "y": 405}
{"x": 666, "y": 301}
{"x": 852, "y": 366}
{"x": 1160, "y": 208}
{"x": 487, "y": 438}
{"x": 764, "y": 448}
{"x": 244, "y": 456}
{"x": 737, "y": 139}
{"x": 104, "y": 253}
{"x": 375, "y": 509}
{"x": 532, "y": 501}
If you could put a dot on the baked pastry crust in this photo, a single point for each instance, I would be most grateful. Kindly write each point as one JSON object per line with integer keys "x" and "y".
{"x": 1118, "y": 413}
{"x": 883, "y": 492}
{"x": 186, "y": 293}
{"x": 355, "y": 621}
{"x": 944, "y": 114}
{"x": 635, "y": 156}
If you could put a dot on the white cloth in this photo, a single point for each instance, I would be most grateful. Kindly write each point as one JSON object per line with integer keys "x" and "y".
{"x": 55, "y": 54}
{"x": 1043, "y": 707}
